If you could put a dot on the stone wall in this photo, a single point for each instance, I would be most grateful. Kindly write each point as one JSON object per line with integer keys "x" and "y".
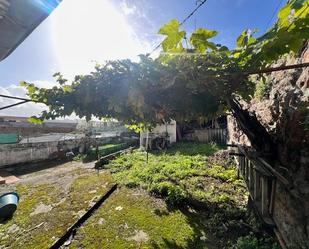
{"x": 284, "y": 113}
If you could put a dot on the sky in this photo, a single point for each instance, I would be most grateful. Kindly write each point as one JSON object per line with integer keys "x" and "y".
{"x": 79, "y": 33}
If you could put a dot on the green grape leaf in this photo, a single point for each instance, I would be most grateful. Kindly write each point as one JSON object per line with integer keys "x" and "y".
{"x": 67, "y": 88}
{"x": 283, "y": 16}
{"x": 174, "y": 36}
{"x": 199, "y": 39}
{"x": 246, "y": 38}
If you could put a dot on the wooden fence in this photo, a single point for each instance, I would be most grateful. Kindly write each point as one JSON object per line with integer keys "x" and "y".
{"x": 261, "y": 179}
{"x": 208, "y": 135}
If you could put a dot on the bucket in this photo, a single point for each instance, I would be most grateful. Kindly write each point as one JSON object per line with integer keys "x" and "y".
{"x": 8, "y": 204}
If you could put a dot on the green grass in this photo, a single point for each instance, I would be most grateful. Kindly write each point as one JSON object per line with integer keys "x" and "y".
{"x": 175, "y": 175}
{"x": 102, "y": 151}
{"x": 189, "y": 175}
{"x": 193, "y": 149}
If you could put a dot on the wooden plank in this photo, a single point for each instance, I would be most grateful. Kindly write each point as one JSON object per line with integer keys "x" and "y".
{"x": 247, "y": 169}
{"x": 256, "y": 192}
{"x": 274, "y": 172}
{"x": 251, "y": 177}
{"x": 265, "y": 200}
{"x": 272, "y": 196}
{"x": 240, "y": 164}
{"x": 259, "y": 167}
{"x": 243, "y": 166}
{"x": 280, "y": 239}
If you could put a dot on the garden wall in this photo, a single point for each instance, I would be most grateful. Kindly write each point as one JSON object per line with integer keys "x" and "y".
{"x": 282, "y": 107}
{"x": 28, "y": 152}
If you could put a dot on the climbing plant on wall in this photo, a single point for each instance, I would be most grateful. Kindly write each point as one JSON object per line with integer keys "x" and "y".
{"x": 193, "y": 78}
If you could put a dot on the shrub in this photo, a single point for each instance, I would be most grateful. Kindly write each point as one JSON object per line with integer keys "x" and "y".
{"x": 251, "y": 242}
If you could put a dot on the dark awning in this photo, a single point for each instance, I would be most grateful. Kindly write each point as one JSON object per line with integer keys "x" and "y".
{"x": 18, "y": 18}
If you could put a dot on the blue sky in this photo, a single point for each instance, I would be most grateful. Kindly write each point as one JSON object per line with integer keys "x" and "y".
{"x": 80, "y": 32}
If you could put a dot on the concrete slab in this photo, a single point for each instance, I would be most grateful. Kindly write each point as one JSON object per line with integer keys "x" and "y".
{"x": 7, "y": 178}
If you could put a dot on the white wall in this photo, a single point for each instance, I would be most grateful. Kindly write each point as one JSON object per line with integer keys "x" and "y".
{"x": 161, "y": 129}
{"x": 22, "y": 153}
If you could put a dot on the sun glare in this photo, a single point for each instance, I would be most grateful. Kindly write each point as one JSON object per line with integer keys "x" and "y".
{"x": 91, "y": 31}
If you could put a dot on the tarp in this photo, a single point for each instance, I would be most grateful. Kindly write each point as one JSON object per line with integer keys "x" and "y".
{"x": 9, "y": 138}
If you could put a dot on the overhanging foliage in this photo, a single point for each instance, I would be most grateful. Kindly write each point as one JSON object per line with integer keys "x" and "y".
{"x": 182, "y": 83}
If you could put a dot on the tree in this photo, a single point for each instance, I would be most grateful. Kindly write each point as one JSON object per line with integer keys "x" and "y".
{"x": 196, "y": 82}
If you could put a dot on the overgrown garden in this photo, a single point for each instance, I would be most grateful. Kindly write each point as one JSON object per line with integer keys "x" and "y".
{"x": 186, "y": 197}
{"x": 192, "y": 79}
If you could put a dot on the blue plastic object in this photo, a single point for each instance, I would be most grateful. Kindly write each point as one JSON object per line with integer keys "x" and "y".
{"x": 8, "y": 204}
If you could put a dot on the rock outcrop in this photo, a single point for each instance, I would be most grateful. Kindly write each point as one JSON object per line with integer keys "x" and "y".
{"x": 284, "y": 112}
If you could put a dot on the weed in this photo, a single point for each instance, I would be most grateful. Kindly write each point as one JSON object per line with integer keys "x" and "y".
{"x": 192, "y": 175}
{"x": 262, "y": 88}
{"x": 252, "y": 242}
{"x": 177, "y": 174}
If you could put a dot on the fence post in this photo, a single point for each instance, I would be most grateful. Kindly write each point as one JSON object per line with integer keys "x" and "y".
{"x": 256, "y": 192}
{"x": 246, "y": 176}
{"x": 264, "y": 196}
{"x": 251, "y": 177}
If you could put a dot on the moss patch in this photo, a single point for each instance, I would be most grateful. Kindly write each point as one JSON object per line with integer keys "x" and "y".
{"x": 133, "y": 219}
{"x": 42, "y": 229}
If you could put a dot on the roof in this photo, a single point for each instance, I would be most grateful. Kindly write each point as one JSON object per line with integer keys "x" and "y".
{"x": 51, "y": 123}
{"x": 18, "y": 18}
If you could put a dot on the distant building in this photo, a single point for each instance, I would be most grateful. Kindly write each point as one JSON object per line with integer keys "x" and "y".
{"x": 22, "y": 127}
